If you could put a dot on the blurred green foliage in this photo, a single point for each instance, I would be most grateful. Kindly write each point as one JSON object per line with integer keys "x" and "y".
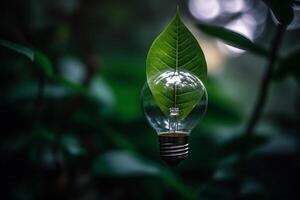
{"x": 71, "y": 122}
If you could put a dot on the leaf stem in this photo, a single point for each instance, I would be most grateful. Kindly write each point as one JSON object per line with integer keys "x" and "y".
{"x": 260, "y": 102}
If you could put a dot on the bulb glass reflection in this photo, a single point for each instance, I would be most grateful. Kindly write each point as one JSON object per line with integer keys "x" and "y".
{"x": 174, "y": 106}
{"x": 170, "y": 123}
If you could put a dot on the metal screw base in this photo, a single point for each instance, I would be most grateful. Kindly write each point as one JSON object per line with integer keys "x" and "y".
{"x": 174, "y": 147}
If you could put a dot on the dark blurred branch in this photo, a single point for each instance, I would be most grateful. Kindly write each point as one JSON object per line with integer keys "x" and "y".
{"x": 260, "y": 102}
{"x": 265, "y": 84}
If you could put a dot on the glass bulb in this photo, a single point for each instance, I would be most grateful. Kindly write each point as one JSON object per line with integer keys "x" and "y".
{"x": 174, "y": 123}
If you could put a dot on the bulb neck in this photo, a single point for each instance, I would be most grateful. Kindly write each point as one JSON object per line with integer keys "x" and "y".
{"x": 174, "y": 147}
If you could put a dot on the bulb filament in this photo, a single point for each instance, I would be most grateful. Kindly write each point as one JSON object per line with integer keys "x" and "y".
{"x": 173, "y": 124}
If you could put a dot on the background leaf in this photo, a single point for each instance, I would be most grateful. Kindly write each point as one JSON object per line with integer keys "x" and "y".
{"x": 232, "y": 38}
{"x": 44, "y": 63}
{"x": 41, "y": 60}
{"x": 71, "y": 144}
{"x": 18, "y": 48}
{"x": 71, "y": 85}
{"x": 175, "y": 49}
{"x": 123, "y": 163}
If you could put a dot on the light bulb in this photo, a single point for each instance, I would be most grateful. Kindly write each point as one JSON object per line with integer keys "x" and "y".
{"x": 187, "y": 104}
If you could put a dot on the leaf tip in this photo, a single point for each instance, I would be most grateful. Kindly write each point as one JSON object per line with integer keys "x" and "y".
{"x": 177, "y": 15}
{"x": 177, "y": 11}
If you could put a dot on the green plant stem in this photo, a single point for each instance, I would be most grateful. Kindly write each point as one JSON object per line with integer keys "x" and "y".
{"x": 260, "y": 102}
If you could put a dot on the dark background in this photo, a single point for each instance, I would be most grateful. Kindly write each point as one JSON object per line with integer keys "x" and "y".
{"x": 81, "y": 134}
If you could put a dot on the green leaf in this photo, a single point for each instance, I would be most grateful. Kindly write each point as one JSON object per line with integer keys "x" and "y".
{"x": 232, "y": 38}
{"x": 41, "y": 60}
{"x": 172, "y": 181}
{"x": 289, "y": 66}
{"x": 282, "y": 10}
{"x": 71, "y": 144}
{"x": 126, "y": 164}
{"x": 71, "y": 85}
{"x": 123, "y": 164}
{"x": 220, "y": 111}
{"x": 121, "y": 141}
{"x": 175, "y": 50}
{"x": 18, "y": 48}
{"x": 236, "y": 143}
{"x": 44, "y": 63}
{"x": 125, "y": 84}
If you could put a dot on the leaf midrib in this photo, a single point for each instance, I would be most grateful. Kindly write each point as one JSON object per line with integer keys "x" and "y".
{"x": 176, "y": 62}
